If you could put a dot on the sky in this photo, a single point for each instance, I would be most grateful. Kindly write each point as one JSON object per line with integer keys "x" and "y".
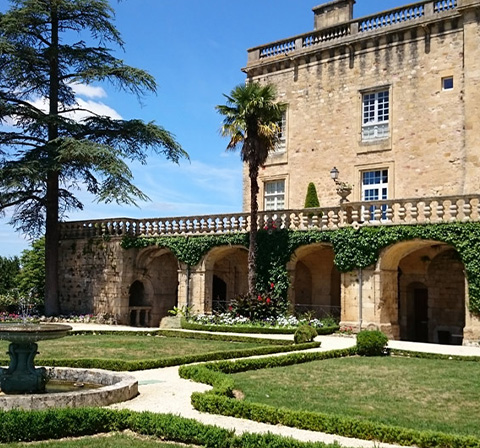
{"x": 195, "y": 49}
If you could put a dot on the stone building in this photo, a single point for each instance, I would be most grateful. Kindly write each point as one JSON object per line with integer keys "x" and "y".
{"x": 387, "y": 105}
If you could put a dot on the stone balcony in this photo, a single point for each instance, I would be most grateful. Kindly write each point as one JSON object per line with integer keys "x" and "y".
{"x": 431, "y": 210}
{"x": 411, "y": 15}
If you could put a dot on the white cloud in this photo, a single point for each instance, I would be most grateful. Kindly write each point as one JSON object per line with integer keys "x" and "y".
{"x": 94, "y": 107}
{"x": 89, "y": 108}
{"x": 88, "y": 90}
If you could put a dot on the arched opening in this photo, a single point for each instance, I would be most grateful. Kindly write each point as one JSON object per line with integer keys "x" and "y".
{"x": 219, "y": 294}
{"x": 139, "y": 308}
{"x": 316, "y": 281}
{"x": 226, "y": 276}
{"x": 423, "y": 291}
{"x": 160, "y": 278}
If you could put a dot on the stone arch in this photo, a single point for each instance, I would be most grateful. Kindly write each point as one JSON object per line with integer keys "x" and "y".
{"x": 158, "y": 268}
{"x": 315, "y": 280}
{"x": 422, "y": 292}
{"x": 226, "y": 276}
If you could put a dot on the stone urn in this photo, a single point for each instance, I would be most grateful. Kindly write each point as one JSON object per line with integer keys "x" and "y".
{"x": 344, "y": 190}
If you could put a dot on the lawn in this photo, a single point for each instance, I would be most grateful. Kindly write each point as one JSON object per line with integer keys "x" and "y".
{"x": 440, "y": 395}
{"x": 112, "y": 440}
{"x": 128, "y": 347}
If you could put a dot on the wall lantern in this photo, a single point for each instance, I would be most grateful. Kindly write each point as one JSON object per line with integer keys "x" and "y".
{"x": 334, "y": 173}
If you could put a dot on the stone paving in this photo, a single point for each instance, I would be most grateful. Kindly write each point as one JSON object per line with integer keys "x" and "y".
{"x": 163, "y": 391}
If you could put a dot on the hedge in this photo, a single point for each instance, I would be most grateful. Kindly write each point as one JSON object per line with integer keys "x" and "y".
{"x": 272, "y": 346}
{"x": 219, "y": 401}
{"x": 30, "y": 426}
{"x": 187, "y": 335}
{"x": 244, "y": 329}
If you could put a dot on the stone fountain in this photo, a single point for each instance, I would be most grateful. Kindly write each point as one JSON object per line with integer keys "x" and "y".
{"x": 23, "y": 386}
{"x": 21, "y": 375}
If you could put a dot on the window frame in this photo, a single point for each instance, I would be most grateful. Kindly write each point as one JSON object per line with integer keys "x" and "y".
{"x": 445, "y": 87}
{"x": 281, "y": 146}
{"x": 276, "y": 195}
{"x": 375, "y": 114}
{"x": 382, "y": 188}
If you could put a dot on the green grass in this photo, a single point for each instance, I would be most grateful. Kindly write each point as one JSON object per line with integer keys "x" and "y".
{"x": 439, "y": 395}
{"x": 127, "y": 347}
{"x": 112, "y": 440}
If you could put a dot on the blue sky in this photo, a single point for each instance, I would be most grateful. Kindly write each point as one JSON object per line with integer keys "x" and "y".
{"x": 195, "y": 50}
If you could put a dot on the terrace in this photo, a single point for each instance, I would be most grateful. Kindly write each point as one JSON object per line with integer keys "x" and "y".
{"x": 430, "y": 210}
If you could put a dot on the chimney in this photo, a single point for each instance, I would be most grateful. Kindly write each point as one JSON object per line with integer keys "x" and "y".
{"x": 333, "y": 13}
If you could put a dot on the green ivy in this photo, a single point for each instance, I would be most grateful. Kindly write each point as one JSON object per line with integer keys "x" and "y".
{"x": 188, "y": 249}
{"x": 354, "y": 249}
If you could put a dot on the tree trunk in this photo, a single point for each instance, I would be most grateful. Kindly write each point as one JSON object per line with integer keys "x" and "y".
{"x": 252, "y": 249}
{"x": 52, "y": 234}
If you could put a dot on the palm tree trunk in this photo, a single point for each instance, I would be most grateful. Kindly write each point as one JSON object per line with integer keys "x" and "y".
{"x": 252, "y": 249}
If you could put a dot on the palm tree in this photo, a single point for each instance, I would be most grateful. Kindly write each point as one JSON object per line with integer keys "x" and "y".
{"x": 252, "y": 118}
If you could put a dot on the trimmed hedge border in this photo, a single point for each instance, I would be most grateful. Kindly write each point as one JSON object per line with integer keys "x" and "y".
{"x": 219, "y": 401}
{"x": 271, "y": 346}
{"x": 243, "y": 329}
{"x": 187, "y": 335}
{"x": 30, "y": 426}
{"x": 409, "y": 354}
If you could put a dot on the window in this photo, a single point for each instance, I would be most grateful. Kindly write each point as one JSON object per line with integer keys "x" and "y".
{"x": 447, "y": 83}
{"x": 375, "y": 188}
{"x": 275, "y": 195}
{"x": 281, "y": 146}
{"x": 376, "y": 115}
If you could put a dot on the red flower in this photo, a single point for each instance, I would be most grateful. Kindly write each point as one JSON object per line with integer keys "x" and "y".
{"x": 230, "y": 308}
{"x": 272, "y": 285}
{"x": 268, "y": 300}
{"x": 259, "y": 298}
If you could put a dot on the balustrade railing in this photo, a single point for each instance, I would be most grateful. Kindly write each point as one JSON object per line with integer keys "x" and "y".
{"x": 382, "y": 20}
{"x": 350, "y": 214}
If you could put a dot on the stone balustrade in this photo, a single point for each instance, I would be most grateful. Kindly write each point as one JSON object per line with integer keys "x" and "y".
{"x": 401, "y": 15}
{"x": 350, "y": 214}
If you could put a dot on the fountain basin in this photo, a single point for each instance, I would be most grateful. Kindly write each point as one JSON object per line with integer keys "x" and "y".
{"x": 19, "y": 332}
{"x": 113, "y": 387}
{"x": 22, "y": 376}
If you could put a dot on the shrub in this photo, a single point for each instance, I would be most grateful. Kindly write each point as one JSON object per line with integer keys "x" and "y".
{"x": 305, "y": 333}
{"x": 266, "y": 305}
{"x": 311, "y": 200}
{"x": 371, "y": 343}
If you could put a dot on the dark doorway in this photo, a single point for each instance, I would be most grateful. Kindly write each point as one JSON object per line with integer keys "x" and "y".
{"x": 219, "y": 295}
{"x": 420, "y": 314}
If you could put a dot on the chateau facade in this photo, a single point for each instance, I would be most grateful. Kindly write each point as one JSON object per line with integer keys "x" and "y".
{"x": 388, "y": 106}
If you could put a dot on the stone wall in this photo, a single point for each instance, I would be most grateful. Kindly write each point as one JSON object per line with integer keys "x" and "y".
{"x": 94, "y": 276}
{"x": 434, "y": 133}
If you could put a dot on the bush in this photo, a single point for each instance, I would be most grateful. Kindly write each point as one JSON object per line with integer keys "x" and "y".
{"x": 311, "y": 200}
{"x": 305, "y": 333}
{"x": 371, "y": 343}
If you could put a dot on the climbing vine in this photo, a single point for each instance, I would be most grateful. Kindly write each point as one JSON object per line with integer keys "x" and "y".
{"x": 353, "y": 249}
{"x": 188, "y": 249}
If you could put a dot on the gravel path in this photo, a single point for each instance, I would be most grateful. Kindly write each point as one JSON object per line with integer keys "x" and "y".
{"x": 163, "y": 391}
